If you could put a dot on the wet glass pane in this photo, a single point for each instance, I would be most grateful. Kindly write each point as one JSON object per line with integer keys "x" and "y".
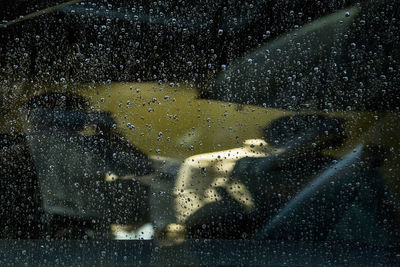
{"x": 198, "y": 130}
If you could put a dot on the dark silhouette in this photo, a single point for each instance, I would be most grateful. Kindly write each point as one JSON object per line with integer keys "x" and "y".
{"x": 272, "y": 180}
{"x": 71, "y": 167}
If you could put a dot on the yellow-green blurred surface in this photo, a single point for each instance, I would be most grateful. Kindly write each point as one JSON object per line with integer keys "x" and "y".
{"x": 170, "y": 120}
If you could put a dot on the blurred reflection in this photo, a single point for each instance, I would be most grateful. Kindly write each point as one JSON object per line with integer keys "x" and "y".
{"x": 347, "y": 201}
{"x": 75, "y": 170}
{"x": 201, "y": 175}
{"x": 229, "y": 194}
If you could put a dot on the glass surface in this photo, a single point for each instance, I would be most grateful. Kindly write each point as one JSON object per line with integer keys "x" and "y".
{"x": 235, "y": 122}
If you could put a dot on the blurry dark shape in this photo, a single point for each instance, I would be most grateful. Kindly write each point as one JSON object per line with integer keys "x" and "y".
{"x": 224, "y": 219}
{"x": 291, "y": 130}
{"x": 315, "y": 211}
{"x": 20, "y": 201}
{"x": 66, "y": 111}
{"x": 301, "y": 194}
{"x": 72, "y": 167}
{"x": 59, "y": 101}
{"x": 344, "y": 61}
{"x": 273, "y": 180}
{"x": 328, "y": 197}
